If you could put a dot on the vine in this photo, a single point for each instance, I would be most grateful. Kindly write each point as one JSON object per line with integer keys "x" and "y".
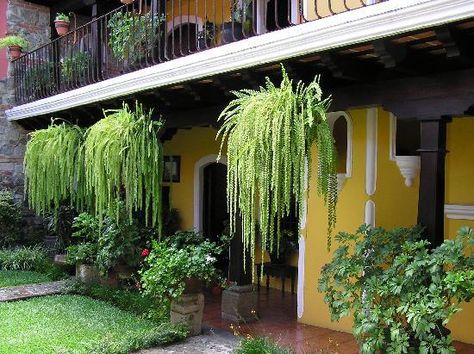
{"x": 269, "y": 134}
{"x": 52, "y": 167}
{"x": 123, "y": 160}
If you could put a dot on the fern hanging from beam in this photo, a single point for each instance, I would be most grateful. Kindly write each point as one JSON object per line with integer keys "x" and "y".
{"x": 124, "y": 161}
{"x": 52, "y": 167}
{"x": 269, "y": 134}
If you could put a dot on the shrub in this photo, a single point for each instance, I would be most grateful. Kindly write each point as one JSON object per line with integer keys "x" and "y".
{"x": 30, "y": 259}
{"x": 10, "y": 219}
{"x": 261, "y": 346}
{"x": 401, "y": 292}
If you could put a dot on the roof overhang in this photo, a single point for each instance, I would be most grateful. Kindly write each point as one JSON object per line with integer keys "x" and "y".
{"x": 369, "y": 23}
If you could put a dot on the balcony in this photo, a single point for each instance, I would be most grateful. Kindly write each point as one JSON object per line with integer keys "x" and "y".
{"x": 149, "y": 32}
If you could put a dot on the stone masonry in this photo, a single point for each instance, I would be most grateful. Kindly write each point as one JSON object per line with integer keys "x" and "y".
{"x": 33, "y": 22}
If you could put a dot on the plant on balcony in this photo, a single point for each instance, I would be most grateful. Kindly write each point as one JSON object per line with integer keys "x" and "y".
{"x": 52, "y": 167}
{"x": 206, "y": 35}
{"x": 15, "y": 45}
{"x": 133, "y": 37}
{"x": 241, "y": 20}
{"x": 123, "y": 160}
{"x": 37, "y": 79}
{"x": 269, "y": 135}
{"x": 62, "y": 23}
{"x": 74, "y": 68}
{"x": 401, "y": 293}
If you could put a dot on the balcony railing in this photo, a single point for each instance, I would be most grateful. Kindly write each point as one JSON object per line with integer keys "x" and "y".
{"x": 149, "y": 32}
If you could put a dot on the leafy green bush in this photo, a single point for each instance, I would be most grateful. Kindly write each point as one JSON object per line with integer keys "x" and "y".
{"x": 9, "y": 41}
{"x": 401, "y": 293}
{"x": 168, "y": 267}
{"x": 10, "y": 219}
{"x": 31, "y": 259}
{"x": 261, "y": 346}
{"x": 62, "y": 17}
{"x": 74, "y": 67}
{"x": 140, "y": 304}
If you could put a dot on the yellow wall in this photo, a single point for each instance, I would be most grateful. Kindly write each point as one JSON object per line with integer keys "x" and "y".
{"x": 191, "y": 145}
{"x": 460, "y": 190}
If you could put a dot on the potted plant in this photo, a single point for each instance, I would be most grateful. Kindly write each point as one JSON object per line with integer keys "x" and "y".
{"x": 74, "y": 67}
{"x": 15, "y": 45}
{"x": 62, "y": 23}
{"x": 401, "y": 293}
{"x": 206, "y": 36}
{"x": 240, "y": 22}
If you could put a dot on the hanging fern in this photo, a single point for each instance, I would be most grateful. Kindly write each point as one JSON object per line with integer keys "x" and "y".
{"x": 124, "y": 161}
{"x": 52, "y": 167}
{"x": 269, "y": 134}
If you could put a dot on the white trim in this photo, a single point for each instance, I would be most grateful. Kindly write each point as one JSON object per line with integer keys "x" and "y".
{"x": 459, "y": 212}
{"x": 199, "y": 186}
{"x": 393, "y": 137}
{"x": 184, "y": 19}
{"x": 300, "y": 286}
{"x": 369, "y": 214}
{"x": 304, "y": 209}
{"x": 371, "y": 152}
{"x": 332, "y": 117}
{"x": 360, "y": 25}
{"x": 409, "y": 167}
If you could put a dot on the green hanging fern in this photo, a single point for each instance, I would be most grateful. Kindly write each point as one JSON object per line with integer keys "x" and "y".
{"x": 269, "y": 134}
{"x": 123, "y": 160}
{"x": 52, "y": 167}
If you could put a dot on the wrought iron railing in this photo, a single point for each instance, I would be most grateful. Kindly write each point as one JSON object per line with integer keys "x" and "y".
{"x": 149, "y": 32}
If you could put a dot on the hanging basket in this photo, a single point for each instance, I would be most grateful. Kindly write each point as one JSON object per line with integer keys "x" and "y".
{"x": 62, "y": 27}
{"x": 15, "y": 51}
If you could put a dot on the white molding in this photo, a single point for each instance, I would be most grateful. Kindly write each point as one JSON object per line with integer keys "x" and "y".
{"x": 360, "y": 25}
{"x": 371, "y": 152}
{"x": 304, "y": 209}
{"x": 459, "y": 212}
{"x": 369, "y": 214}
{"x": 409, "y": 168}
{"x": 199, "y": 186}
{"x": 393, "y": 137}
{"x": 300, "y": 286}
{"x": 332, "y": 117}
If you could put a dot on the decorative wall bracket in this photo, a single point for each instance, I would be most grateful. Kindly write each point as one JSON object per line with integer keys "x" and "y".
{"x": 409, "y": 168}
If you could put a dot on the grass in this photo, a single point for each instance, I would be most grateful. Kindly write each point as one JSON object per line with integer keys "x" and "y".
{"x": 77, "y": 324}
{"x": 10, "y": 278}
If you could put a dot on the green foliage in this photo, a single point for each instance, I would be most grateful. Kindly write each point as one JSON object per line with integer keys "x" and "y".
{"x": 74, "y": 68}
{"x": 52, "y": 167}
{"x": 131, "y": 36}
{"x": 10, "y": 41}
{"x": 124, "y": 161}
{"x": 142, "y": 305}
{"x": 401, "y": 293}
{"x": 10, "y": 278}
{"x": 62, "y": 17}
{"x": 82, "y": 253}
{"x": 261, "y": 346}
{"x": 10, "y": 219}
{"x": 29, "y": 259}
{"x": 37, "y": 79}
{"x": 168, "y": 267}
{"x": 269, "y": 135}
{"x": 77, "y": 324}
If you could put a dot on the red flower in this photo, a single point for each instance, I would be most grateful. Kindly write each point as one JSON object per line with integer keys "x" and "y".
{"x": 145, "y": 252}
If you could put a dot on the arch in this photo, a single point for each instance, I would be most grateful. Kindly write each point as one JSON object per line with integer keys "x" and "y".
{"x": 177, "y": 21}
{"x": 332, "y": 118}
{"x": 199, "y": 186}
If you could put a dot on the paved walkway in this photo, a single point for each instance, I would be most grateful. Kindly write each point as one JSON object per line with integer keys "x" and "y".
{"x": 31, "y": 290}
{"x": 211, "y": 342}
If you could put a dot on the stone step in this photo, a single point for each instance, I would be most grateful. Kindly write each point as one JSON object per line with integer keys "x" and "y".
{"x": 31, "y": 290}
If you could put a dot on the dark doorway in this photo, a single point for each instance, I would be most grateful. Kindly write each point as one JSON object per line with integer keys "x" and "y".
{"x": 215, "y": 216}
{"x": 182, "y": 41}
{"x": 278, "y": 14}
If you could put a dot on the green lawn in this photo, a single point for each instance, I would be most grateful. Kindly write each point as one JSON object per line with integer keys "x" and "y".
{"x": 9, "y": 278}
{"x": 76, "y": 324}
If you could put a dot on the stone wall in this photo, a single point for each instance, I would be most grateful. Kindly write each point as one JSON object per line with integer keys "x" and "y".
{"x": 33, "y": 22}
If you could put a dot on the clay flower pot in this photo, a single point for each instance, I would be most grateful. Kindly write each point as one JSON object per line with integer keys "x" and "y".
{"x": 126, "y": 2}
{"x": 62, "y": 27}
{"x": 15, "y": 51}
{"x": 193, "y": 286}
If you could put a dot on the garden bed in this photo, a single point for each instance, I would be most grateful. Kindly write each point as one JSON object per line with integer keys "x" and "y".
{"x": 11, "y": 278}
{"x": 77, "y": 324}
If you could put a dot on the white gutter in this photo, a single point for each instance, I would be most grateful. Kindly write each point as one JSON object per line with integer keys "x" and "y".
{"x": 376, "y": 21}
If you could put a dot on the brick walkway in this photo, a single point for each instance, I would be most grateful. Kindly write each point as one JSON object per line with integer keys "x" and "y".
{"x": 31, "y": 290}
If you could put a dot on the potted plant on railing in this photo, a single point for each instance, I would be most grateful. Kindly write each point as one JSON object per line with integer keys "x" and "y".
{"x": 15, "y": 45}
{"x": 177, "y": 274}
{"x": 62, "y": 23}
{"x": 240, "y": 24}
{"x": 402, "y": 294}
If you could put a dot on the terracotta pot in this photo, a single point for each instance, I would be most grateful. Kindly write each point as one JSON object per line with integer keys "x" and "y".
{"x": 62, "y": 27}
{"x": 216, "y": 290}
{"x": 126, "y": 2}
{"x": 15, "y": 51}
{"x": 193, "y": 286}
